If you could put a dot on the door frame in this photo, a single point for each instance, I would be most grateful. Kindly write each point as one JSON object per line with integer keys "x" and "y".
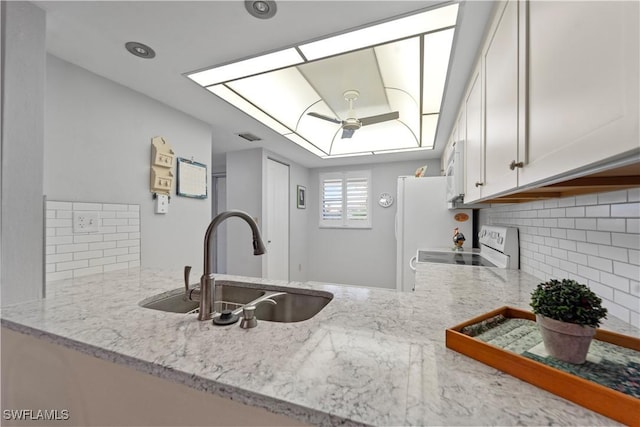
{"x": 215, "y": 176}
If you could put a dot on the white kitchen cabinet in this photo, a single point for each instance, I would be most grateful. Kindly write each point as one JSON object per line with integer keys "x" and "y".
{"x": 461, "y": 126}
{"x": 582, "y": 85}
{"x": 555, "y": 92}
{"x": 474, "y": 141}
{"x": 501, "y": 112}
{"x": 492, "y": 109}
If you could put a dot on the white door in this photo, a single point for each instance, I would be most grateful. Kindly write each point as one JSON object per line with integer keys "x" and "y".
{"x": 276, "y": 230}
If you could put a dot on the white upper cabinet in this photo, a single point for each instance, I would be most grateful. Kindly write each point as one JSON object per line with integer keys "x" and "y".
{"x": 582, "y": 85}
{"x": 501, "y": 79}
{"x": 474, "y": 141}
{"x": 555, "y": 93}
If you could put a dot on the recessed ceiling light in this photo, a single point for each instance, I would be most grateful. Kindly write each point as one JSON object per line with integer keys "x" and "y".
{"x": 263, "y": 9}
{"x": 140, "y": 50}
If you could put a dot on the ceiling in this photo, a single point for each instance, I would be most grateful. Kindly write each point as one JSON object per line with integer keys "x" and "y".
{"x": 188, "y": 36}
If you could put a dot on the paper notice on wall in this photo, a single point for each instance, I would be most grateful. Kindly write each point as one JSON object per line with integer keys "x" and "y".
{"x": 192, "y": 179}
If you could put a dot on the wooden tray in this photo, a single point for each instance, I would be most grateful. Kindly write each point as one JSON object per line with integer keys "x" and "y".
{"x": 611, "y": 403}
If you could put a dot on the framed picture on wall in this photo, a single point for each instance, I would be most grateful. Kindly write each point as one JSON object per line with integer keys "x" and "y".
{"x": 302, "y": 197}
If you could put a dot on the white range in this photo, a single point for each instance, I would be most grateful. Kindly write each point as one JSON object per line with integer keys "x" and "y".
{"x": 499, "y": 247}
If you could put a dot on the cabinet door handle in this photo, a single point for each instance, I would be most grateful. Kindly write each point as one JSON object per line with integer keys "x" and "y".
{"x": 479, "y": 184}
{"x": 514, "y": 165}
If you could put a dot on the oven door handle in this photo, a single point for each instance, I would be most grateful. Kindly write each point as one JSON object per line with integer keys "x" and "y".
{"x": 412, "y": 263}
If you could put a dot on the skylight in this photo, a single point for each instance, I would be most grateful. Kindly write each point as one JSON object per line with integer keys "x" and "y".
{"x": 371, "y": 91}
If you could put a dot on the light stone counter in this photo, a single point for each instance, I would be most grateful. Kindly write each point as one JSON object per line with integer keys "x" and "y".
{"x": 371, "y": 356}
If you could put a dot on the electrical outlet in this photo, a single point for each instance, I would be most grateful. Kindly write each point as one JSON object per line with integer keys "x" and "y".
{"x": 86, "y": 222}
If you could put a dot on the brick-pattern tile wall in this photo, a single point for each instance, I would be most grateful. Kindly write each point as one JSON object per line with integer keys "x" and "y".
{"x": 115, "y": 246}
{"x": 594, "y": 239}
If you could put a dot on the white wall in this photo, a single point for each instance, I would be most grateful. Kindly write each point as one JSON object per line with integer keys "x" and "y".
{"x": 23, "y": 90}
{"x": 593, "y": 239}
{"x": 98, "y": 148}
{"x": 365, "y": 257}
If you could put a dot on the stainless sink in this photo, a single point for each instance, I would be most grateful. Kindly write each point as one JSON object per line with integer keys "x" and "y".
{"x": 292, "y": 307}
{"x": 292, "y": 304}
{"x": 230, "y": 295}
{"x": 233, "y": 295}
{"x": 172, "y": 303}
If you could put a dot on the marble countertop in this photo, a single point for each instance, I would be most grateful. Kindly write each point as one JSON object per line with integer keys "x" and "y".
{"x": 370, "y": 357}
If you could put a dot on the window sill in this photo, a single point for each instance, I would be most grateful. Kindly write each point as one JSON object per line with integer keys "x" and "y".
{"x": 345, "y": 227}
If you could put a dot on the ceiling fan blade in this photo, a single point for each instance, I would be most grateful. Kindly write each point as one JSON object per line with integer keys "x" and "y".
{"x": 323, "y": 117}
{"x": 379, "y": 118}
{"x": 347, "y": 133}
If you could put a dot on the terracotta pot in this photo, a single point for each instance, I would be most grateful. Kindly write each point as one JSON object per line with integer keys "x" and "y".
{"x": 565, "y": 341}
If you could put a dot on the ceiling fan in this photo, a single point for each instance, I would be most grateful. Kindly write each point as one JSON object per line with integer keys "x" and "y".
{"x": 351, "y": 123}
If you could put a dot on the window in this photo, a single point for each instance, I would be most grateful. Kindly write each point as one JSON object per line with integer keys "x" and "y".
{"x": 345, "y": 199}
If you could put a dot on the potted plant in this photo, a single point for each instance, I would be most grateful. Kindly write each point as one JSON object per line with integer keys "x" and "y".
{"x": 567, "y": 314}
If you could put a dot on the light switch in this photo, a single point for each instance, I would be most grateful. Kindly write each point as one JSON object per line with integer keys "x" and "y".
{"x": 162, "y": 204}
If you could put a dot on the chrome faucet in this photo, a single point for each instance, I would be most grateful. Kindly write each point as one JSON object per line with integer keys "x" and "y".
{"x": 207, "y": 281}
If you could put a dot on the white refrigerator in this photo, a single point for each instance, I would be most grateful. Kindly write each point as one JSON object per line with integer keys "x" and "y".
{"x": 423, "y": 221}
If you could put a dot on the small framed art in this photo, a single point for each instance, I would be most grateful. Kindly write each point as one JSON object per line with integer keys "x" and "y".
{"x": 301, "y": 199}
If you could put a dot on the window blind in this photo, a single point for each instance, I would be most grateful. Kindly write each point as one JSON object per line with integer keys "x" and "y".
{"x": 345, "y": 199}
{"x": 357, "y": 203}
{"x": 332, "y": 199}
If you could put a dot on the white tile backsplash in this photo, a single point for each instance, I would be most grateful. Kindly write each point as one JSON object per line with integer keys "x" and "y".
{"x": 594, "y": 239}
{"x": 115, "y": 246}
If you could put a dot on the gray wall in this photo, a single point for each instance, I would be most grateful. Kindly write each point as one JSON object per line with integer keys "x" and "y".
{"x": 298, "y": 226}
{"x": 244, "y": 192}
{"x": 98, "y": 149}
{"x": 365, "y": 257}
{"x": 23, "y": 88}
{"x": 594, "y": 239}
{"x": 245, "y": 176}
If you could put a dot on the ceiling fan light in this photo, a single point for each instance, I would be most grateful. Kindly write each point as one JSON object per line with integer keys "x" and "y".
{"x": 351, "y": 124}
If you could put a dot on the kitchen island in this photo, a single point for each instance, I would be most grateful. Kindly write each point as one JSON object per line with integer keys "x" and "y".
{"x": 370, "y": 357}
